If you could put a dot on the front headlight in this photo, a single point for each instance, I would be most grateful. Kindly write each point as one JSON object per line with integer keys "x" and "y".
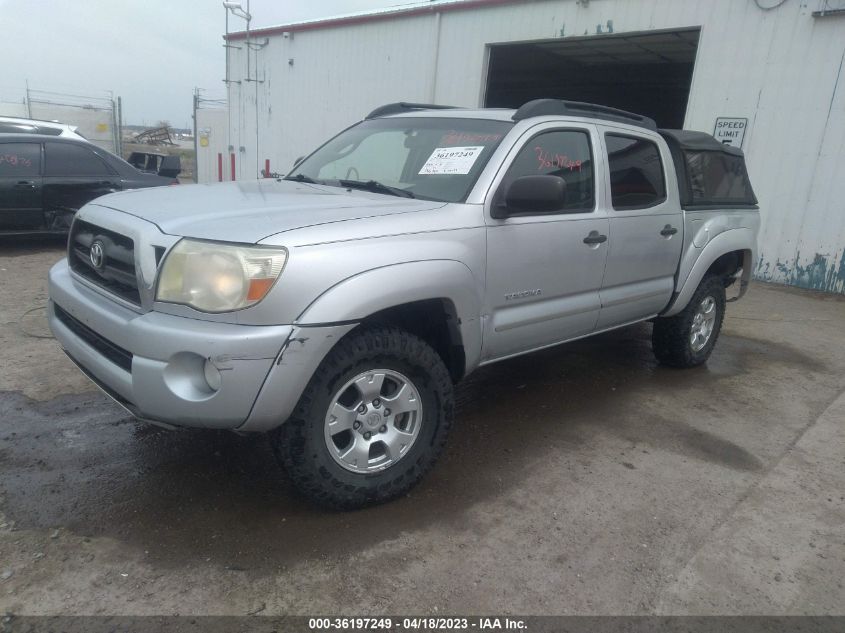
{"x": 215, "y": 277}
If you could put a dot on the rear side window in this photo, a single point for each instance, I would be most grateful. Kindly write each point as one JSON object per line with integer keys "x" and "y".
{"x": 718, "y": 178}
{"x": 636, "y": 172}
{"x": 562, "y": 153}
{"x": 72, "y": 160}
{"x": 20, "y": 160}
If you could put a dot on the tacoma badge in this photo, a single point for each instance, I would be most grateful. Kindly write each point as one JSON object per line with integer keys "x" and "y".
{"x": 523, "y": 294}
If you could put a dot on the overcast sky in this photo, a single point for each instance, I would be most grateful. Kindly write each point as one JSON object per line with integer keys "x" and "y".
{"x": 150, "y": 52}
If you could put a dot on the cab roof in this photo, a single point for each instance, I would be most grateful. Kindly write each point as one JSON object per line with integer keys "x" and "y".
{"x": 531, "y": 109}
{"x": 455, "y": 113}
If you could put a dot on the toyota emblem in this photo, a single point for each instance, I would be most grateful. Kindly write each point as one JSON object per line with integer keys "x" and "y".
{"x": 96, "y": 254}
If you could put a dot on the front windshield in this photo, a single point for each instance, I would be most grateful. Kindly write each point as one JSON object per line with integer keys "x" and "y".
{"x": 429, "y": 158}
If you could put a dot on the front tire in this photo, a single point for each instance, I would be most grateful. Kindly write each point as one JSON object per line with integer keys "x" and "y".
{"x": 687, "y": 339}
{"x": 372, "y": 421}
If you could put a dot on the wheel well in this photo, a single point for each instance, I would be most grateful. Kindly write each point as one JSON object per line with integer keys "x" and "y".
{"x": 727, "y": 265}
{"x": 436, "y": 322}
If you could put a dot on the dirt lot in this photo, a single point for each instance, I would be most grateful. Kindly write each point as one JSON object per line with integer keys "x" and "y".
{"x": 584, "y": 479}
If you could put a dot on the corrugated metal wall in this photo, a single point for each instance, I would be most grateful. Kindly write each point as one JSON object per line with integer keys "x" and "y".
{"x": 782, "y": 69}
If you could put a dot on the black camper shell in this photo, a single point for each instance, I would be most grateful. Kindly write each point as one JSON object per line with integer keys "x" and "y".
{"x": 711, "y": 175}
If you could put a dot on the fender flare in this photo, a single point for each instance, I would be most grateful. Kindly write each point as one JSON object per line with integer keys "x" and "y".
{"x": 366, "y": 293}
{"x": 740, "y": 239}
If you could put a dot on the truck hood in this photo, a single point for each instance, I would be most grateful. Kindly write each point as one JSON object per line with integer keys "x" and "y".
{"x": 249, "y": 211}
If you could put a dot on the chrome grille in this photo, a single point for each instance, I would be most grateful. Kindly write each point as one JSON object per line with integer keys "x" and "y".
{"x": 114, "y": 271}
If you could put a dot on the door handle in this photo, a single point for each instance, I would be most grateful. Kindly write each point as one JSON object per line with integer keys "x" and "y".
{"x": 25, "y": 184}
{"x": 595, "y": 238}
{"x": 668, "y": 230}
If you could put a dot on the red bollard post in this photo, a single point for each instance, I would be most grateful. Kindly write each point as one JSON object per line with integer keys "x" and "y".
{"x": 266, "y": 167}
{"x": 219, "y": 167}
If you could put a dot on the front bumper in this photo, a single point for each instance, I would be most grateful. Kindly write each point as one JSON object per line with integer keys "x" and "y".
{"x": 153, "y": 364}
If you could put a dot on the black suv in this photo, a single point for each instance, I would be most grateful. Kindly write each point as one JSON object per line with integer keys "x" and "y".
{"x": 44, "y": 180}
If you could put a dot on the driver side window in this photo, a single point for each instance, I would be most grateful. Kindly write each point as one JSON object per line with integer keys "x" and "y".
{"x": 375, "y": 158}
{"x": 566, "y": 154}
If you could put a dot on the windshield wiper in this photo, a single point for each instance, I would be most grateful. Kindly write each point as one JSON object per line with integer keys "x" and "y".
{"x": 377, "y": 187}
{"x": 302, "y": 178}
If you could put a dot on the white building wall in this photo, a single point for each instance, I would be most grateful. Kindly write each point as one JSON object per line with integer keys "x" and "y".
{"x": 212, "y": 145}
{"x": 335, "y": 78}
{"x": 782, "y": 69}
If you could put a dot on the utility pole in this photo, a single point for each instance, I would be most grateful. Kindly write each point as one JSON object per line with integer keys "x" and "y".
{"x": 196, "y": 142}
{"x": 120, "y": 125}
{"x": 28, "y": 101}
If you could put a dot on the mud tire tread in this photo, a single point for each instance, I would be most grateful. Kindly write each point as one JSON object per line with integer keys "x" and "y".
{"x": 670, "y": 336}
{"x": 299, "y": 443}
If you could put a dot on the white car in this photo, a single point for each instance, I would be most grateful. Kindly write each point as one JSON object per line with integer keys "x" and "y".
{"x": 17, "y": 125}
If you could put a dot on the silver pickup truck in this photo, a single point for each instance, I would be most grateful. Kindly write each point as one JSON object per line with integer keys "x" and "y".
{"x": 338, "y": 306}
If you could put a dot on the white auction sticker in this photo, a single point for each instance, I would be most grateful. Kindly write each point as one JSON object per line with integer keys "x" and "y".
{"x": 451, "y": 160}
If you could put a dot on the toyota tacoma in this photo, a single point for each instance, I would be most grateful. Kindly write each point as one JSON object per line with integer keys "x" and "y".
{"x": 337, "y": 307}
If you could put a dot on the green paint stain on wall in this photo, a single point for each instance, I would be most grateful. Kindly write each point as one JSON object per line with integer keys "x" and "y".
{"x": 819, "y": 274}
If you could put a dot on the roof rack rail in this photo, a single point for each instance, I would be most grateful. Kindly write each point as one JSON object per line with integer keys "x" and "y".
{"x": 404, "y": 106}
{"x": 557, "y": 107}
{"x": 24, "y": 118}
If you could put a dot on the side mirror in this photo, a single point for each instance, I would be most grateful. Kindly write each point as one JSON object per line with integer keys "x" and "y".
{"x": 532, "y": 194}
{"x": 298, "y": 160}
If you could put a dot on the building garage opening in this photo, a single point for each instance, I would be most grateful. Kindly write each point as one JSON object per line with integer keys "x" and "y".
{"x": 649, "y": 73}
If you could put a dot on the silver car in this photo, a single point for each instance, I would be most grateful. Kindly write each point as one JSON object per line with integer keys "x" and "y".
{"x": 338, "y": 306}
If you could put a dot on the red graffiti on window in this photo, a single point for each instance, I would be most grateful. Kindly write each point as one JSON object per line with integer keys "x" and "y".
{"x": 15, "y": 161}
{"x": 548, "y": 160}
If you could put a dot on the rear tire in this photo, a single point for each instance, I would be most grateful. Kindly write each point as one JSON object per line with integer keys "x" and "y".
{"x": 687, "y": 339}
{"x": 344, "y": 412}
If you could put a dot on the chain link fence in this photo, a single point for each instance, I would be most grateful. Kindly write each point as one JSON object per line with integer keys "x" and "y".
{"x": 97, "y": 118}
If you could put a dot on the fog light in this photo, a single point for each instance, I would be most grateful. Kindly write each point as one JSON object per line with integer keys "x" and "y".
{"x": 212, "y": 375}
